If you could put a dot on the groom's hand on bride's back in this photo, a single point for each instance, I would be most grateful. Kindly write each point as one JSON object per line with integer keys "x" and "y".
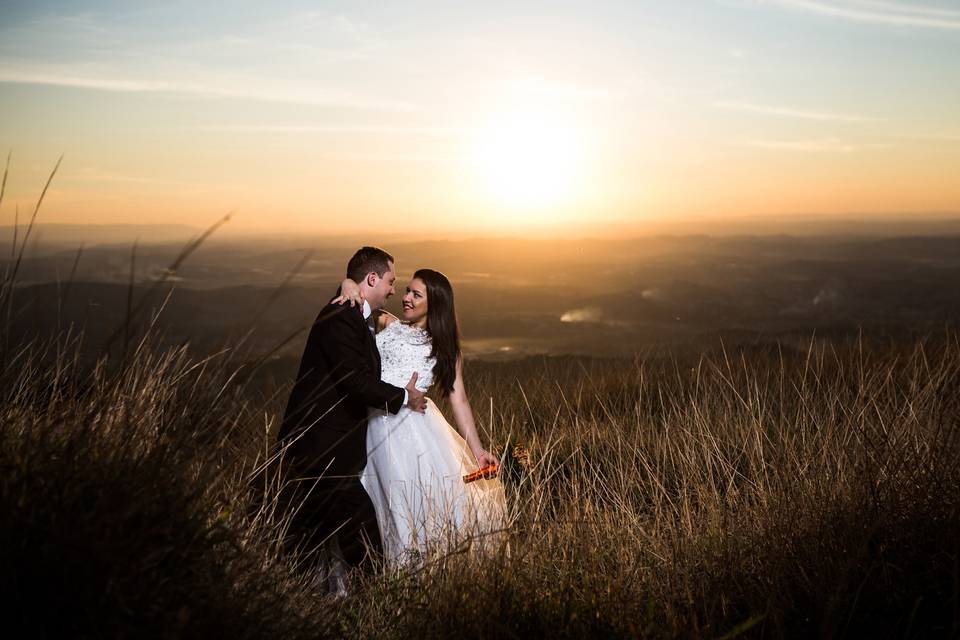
{"x": 416, "y": 399}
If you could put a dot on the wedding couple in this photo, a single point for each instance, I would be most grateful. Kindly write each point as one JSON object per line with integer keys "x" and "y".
{"x": 375, "y": 467}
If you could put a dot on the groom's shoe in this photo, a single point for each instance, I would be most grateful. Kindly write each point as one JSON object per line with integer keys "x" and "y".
{"x": 331, "y": 580}
{"x": 335, "y": 569}
{"x": 337, "y": 580}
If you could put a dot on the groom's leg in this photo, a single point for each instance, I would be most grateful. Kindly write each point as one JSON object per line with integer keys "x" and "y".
{"x": 326, "y": 507}
{"x": 308, "y": 501}
{"x": 359, "y": 535}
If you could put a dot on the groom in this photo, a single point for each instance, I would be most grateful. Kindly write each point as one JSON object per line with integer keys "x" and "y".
{"x": 325, "y": 422}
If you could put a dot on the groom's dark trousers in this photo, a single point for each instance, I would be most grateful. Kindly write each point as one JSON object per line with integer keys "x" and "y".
{"x": 325, "y": 430}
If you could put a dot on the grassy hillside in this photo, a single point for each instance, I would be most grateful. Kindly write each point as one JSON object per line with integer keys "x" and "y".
{"x": 778, "y": 493}
{"x": 809, "y": 489}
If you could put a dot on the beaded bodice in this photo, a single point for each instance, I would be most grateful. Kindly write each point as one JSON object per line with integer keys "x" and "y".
{"x": 403, "y": 350}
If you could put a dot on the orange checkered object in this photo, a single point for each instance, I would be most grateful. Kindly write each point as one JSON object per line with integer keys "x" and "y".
{"x": 490, "y": 471}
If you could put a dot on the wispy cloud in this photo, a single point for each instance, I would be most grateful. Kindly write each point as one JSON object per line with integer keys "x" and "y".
{"x": 88, "y": 174}
{"x": 943, "y": 137}
{"x": 822, "y": 145}
{"x": 879, "y": 12}
{"x": 543, "y": 88}
{"x": 387, "y": 158}
{"x": 246, "y": 88}
{"x": 126, "y": 54}
{"x": 791, "y": 112}
{"x": 332, "y": 129}
{"x": 25, "y": 76}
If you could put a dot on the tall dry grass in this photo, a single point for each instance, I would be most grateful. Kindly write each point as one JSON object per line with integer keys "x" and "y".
{"x": 780, "y": 494}
{"x": 123, "y": 500}
{"x": 774, "y": 494}
{"x": 125, "y": 494}
{"x": 767, "y": 492}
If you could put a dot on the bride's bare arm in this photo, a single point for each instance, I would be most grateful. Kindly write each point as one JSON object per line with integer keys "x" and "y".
{"x": 349, "y": 292}
{"x": 384, "y": 319}
{"x": 463, "y": 415}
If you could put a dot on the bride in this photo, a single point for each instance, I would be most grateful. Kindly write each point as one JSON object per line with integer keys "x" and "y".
{"x": 416, "y": 461}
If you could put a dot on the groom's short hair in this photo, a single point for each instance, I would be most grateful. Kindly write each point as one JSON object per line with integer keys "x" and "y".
{"x": 368, "y": 259}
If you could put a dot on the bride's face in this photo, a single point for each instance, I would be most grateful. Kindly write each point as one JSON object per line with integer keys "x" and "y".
{"x": 415, "y": 301}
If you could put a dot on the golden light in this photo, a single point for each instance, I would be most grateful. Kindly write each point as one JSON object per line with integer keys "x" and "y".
{"x": 528, "y": 160}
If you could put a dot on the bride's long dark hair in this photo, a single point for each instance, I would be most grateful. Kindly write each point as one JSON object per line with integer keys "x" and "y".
{"x": 443, "y": 328}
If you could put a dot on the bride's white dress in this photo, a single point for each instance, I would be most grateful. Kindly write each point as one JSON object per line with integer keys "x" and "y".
{"x": 416, "y": 463}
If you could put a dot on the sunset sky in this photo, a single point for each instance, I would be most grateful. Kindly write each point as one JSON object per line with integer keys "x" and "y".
{"x": 442, "y": 117}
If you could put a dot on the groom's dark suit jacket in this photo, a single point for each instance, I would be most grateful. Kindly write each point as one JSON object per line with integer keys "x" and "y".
{"x": 338, "y": 381}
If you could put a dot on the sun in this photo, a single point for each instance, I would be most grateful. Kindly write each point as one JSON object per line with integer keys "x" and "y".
{"x": 528, "y": 160}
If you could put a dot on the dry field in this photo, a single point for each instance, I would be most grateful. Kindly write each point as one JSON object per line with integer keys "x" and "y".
{"x": 775, "y": 491}
{"x": 770, "y": 492}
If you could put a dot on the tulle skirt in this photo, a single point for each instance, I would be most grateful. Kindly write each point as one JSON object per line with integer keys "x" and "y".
{"x": 414, "y": 476}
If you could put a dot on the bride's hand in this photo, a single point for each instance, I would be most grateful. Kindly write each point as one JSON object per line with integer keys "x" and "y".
{"x": 349, "y": 292}
{"x": 485, "y": 458}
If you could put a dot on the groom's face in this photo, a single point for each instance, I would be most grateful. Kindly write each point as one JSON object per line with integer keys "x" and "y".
{"x": 381, "y": 288}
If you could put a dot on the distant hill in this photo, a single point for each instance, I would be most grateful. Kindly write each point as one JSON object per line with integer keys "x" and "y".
{"x": 96, "y": 234}
{"x": 49, "y": 237}
{"x": 520, "y": 296}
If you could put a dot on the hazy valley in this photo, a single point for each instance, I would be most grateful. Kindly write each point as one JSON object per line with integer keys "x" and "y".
{"x": 515, "y": 296}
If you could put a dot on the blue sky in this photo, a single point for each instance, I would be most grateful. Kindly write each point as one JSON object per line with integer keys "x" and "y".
{"x": 301, "y": 111}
